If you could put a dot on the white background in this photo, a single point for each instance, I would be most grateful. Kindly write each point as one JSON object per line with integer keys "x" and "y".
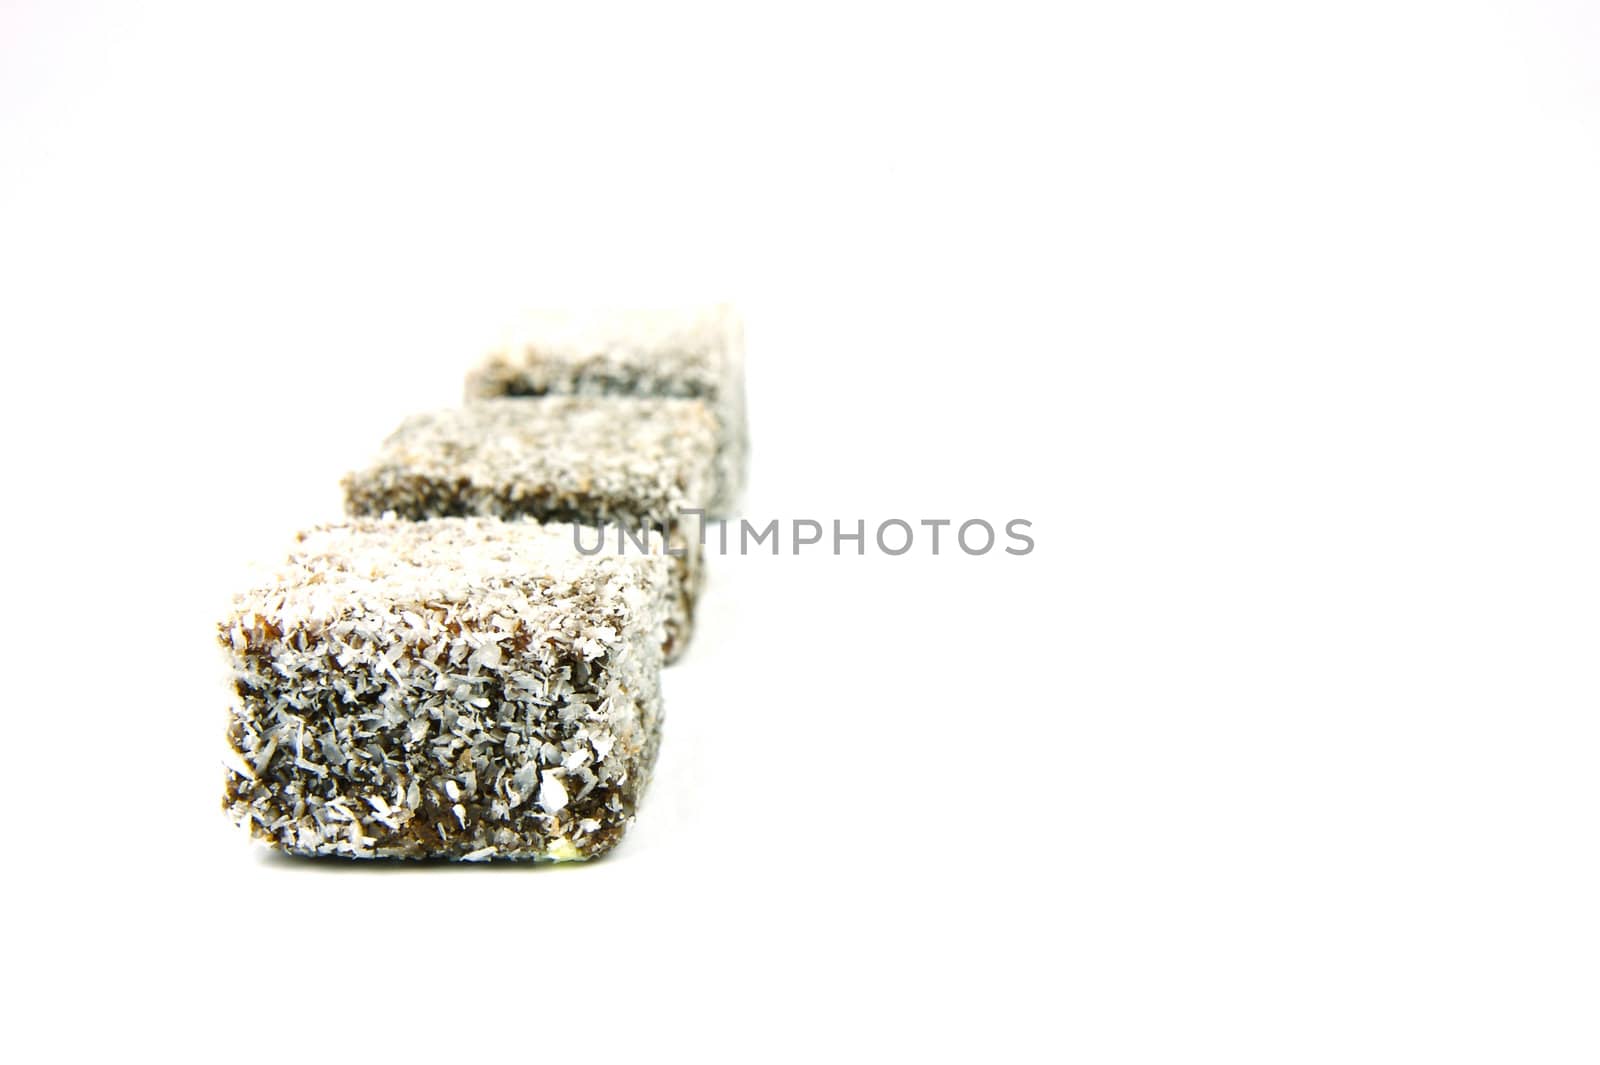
{"x": 1278, "y": 321}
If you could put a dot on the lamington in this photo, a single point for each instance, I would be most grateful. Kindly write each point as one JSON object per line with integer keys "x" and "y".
{"x": 614, "y": 463}
{"x": 465, "y": 688}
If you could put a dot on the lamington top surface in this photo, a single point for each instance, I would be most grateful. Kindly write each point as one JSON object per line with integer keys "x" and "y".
{"x": 453, "y": 576}
{"x": 564, "y": 458}
{"x": 688, "y": 353}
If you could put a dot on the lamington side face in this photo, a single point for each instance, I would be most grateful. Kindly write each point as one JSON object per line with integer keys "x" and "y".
{"x": 629, "y": 462}
{"x": 694, "y": 354}
{"x": 460, "y": 689}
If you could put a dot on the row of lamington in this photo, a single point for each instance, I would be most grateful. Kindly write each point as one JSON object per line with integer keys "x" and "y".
{"x": 467, "y": 667}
